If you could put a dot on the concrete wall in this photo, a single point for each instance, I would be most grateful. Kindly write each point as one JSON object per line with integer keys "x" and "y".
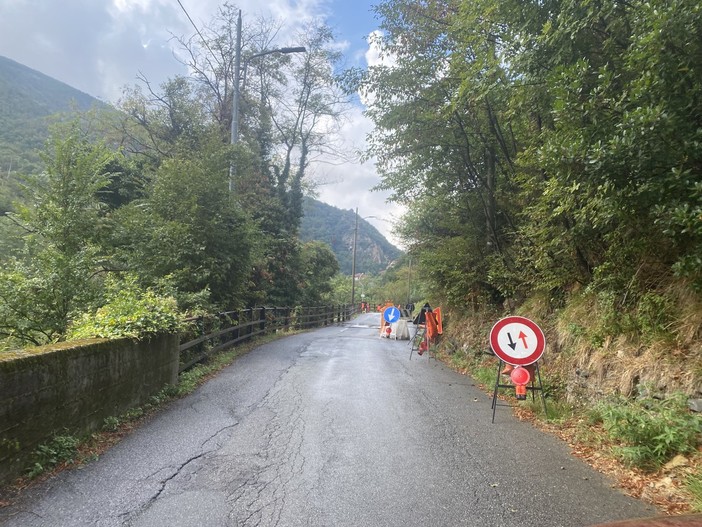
{"x": 70, "y": 388}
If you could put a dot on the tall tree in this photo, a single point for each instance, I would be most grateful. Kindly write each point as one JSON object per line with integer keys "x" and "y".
{"x": 617, "y": 159}
{"x": 298, "y": 117}
{"x": 548, "y": 143}
{"x": 189, "y": 232}
{"x": 290, "y": 110}
{"x": 319, "y": 267}
{"x": 187, "y": 228}
{"x": 439, "y": 141}
{"x": 53, "y": 277}
{"x": 306, "y": 115}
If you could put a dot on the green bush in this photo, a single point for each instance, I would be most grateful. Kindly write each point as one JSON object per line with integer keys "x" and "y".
{"x": 129, "y": 312}
{"x": 651, "y": 431}
{"x": 59, "y": 450}
{"x": 110, "y": 424}
{"x": 557, "y": 411}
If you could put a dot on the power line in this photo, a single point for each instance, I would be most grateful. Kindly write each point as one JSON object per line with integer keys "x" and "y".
{"x": 196, "y": 28}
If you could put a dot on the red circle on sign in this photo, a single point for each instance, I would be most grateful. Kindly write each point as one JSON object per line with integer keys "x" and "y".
{"x": 506, "y": 352}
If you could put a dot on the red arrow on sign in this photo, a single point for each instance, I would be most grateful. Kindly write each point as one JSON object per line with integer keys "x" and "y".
{"x": 523, "y": 337}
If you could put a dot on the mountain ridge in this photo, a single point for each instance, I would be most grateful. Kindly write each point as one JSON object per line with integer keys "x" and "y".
{"x": 335, "y": 227}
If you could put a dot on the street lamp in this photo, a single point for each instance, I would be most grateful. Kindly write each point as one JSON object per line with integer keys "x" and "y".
{"x": 237, "y": 71}
{"x": 285, "y": 51}
{"x": 237, "y": 94}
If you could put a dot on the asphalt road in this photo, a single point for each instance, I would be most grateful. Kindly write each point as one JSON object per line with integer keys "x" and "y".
{"x": 335, "y": 427}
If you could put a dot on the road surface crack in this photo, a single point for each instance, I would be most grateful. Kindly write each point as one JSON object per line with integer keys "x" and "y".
{"x": 175, "y": 473}
{"x": 218, "y": 432}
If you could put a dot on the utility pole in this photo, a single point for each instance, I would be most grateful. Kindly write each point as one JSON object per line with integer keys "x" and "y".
{"x": 409, "y": 282}
{"x": 353, "y": 264}
{"x": 234, "y": 139}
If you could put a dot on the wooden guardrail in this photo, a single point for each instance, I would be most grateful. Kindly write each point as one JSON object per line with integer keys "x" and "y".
{"x": 207, "y": 334}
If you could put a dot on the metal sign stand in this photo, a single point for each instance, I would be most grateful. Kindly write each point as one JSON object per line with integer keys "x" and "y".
{"x": 420, "y": 335}
{"x": 532, "y": 387}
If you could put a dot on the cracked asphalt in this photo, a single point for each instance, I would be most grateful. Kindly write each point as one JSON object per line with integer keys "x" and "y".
{"x": 334, "y": 427}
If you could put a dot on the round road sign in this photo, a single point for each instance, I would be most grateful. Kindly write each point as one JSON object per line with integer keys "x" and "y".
{"x": 391, "y": 314}
{"x": 517, "y": 341}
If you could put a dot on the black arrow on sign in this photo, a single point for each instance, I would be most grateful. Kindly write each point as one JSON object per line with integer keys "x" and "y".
{"x": 512, "y": 344}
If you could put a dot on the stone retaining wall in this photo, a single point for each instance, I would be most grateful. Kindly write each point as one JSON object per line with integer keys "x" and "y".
{"x": 70, "y": 388}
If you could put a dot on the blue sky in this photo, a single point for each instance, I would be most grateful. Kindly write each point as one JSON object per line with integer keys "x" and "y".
{"x": 353, "y": 21}
{"x": 100, "y": 46}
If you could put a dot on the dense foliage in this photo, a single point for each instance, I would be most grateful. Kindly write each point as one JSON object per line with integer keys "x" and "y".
{"x": 50, "y": 277}
{"x": 128, "y": 311}
{"x": 649, "y": 431}
{"x": 161, "y": 215}
{"x": 543, "y": 147}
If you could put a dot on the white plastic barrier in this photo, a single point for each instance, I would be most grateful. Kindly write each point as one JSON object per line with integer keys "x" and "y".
{"x": 400, "y": 330}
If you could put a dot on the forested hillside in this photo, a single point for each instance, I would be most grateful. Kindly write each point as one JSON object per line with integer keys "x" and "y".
{"x": 335, "y": 227}
{"x": 27, "y": 99}
{"x": 549, "y": 155}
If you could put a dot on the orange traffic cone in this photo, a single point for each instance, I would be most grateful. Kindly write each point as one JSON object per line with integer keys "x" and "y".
{"x": 507, "y": 369}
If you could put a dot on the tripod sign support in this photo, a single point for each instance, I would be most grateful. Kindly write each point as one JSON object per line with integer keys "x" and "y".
{"x": 519, "y": 343}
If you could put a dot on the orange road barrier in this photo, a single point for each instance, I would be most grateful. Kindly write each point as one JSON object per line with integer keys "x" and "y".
{"x": 520, "y": 376}
{"x": 382, "y": 324}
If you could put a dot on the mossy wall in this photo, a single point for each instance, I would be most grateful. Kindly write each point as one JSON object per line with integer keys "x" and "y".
{"x": 70, "y": 388}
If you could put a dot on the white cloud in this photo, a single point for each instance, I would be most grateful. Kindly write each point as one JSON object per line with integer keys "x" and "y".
{"x": 129, "y": 5}
{"x": 376, "y": 56}
{"x": 295, "y": 14}
{"x": 373, "y": 53}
